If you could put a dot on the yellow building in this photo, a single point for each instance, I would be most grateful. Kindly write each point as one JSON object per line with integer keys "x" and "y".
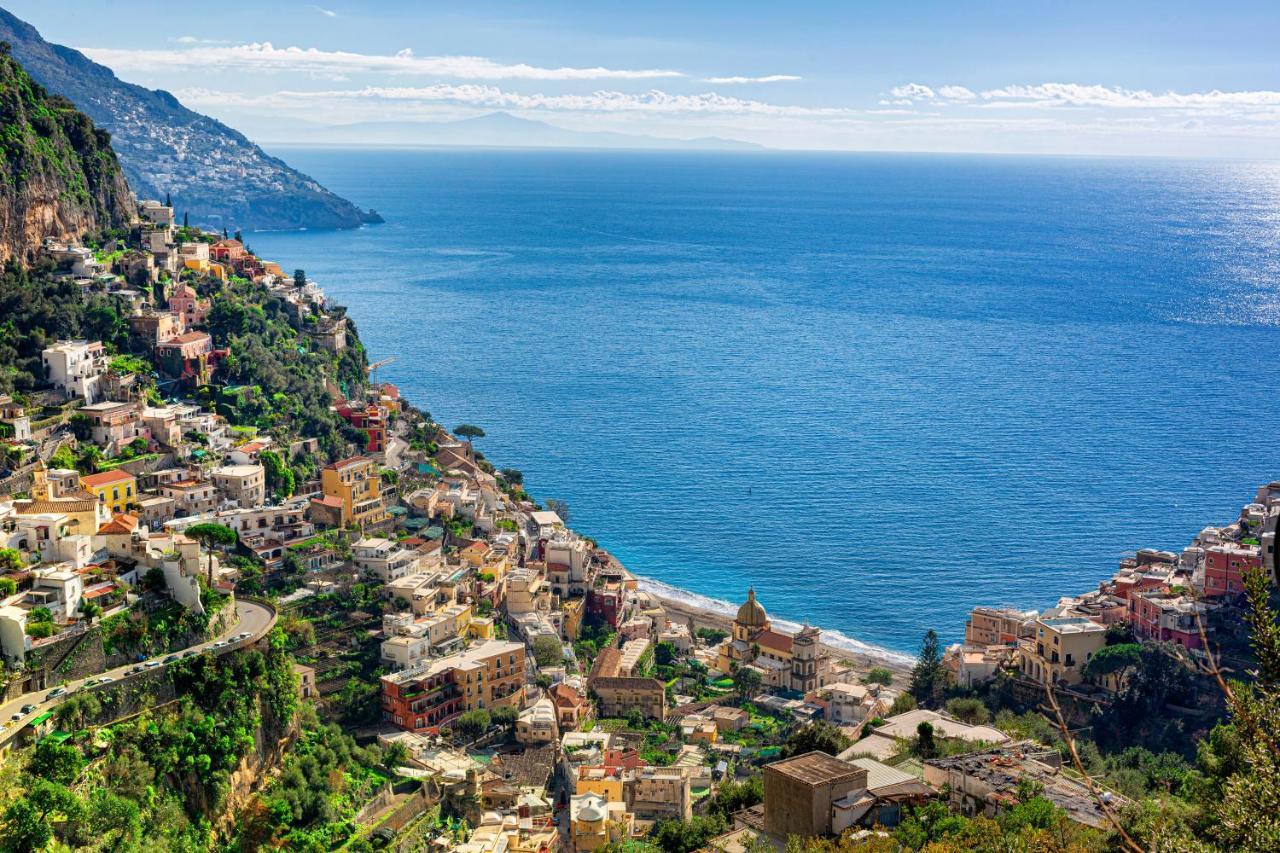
{"x": 595, "y": 822}
{"x": 604, "y": 782}
{"x": 116, "y": 490}
{"x": 1058, "y": 652}
{"x": 356, "y": 483}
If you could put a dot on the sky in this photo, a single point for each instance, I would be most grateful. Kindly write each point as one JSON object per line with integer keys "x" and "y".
{"x": 1147, "y": 78}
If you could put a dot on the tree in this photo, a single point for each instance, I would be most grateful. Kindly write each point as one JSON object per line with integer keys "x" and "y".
{"x": 299, "y": 278}
{"x": 665, "y": 653}
{"x": 547, "y": 650}
{"x": 1247, "y": 814}
{"x": 879, "y": 675}
{"x": 747, "y": 680}
{"x": 925, "y": 745}
{"x": 280, "y": 477}
{"x": 211, "y": 535}
{"x": 685, "y": 836}
{"x": 25, "y": 827}
{"x": 928, "y": 676}
{"x": 470, "y": 432}
{"x": 1120, "y": 633}
{"x": 513, "y": 476}
{"x": 1113, "y": 659}
{"x": 57, "y": 762}
{"x": 11, "y": 560}
{"x": 91, "y": 610}
{"x": 186, "y": 221}
{"x": 969, "y": 710}
{"x": 7, "y": 587}
{"x": 472, "y": 724}
{"x": 819, "y": 736}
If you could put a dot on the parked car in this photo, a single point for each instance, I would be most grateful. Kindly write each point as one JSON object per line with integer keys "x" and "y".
{"x": 189, "y": 653}
{"x": 55, "y": 693}
{"x": 28, "y": 708}
{"x": 152, "y": 664}
{"x": 16, "y": 715}
{"x": 171, "y": 659}
{"x": 244, "y": 635}
{"x": 106, "y": 679}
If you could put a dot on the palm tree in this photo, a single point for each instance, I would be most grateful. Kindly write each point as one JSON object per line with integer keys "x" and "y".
{"x": 210, "y": 535}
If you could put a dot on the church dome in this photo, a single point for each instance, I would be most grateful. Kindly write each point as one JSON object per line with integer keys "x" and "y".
{"x": 751, "y": 614}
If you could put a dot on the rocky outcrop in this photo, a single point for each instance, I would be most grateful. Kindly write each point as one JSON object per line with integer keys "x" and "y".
{"x": 213, "y": 173}
{"x": 58, "y": 175}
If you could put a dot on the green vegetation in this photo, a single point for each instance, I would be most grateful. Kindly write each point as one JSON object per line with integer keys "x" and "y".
{"x": 326, "y": 779}
{"x": 151, "y": 781}
{"x": 928, "y": 676}
{"x": 547, "y": 651}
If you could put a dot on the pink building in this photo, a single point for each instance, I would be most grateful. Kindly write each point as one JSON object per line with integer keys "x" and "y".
{"x": 1224, "y": 568}
{"x": 184, "y": 301}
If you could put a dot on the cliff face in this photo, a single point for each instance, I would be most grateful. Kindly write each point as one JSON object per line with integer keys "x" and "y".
{"x": 213, "y": 173}
{"x": 58, "y": 174}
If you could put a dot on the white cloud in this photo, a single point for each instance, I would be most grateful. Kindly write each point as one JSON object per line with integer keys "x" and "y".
{"x": 264, "y": 56}
{"x": 956, "y": 93}
{"x": 492, "y": 97}
{"x": 328, "y": 13}
{"x": 734, "y": 81}
{"x": 912, "y": 91}
{"x": 1077, "y": 95}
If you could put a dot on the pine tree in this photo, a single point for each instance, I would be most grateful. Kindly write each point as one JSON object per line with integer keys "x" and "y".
{"x": 186, "y": 223}
{"x": 928, "y": 677}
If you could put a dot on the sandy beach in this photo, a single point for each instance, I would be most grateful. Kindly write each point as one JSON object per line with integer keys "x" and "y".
{"x": 860, "y": 661}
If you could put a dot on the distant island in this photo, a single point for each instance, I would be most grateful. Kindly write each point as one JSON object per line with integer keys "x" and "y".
{"x": 504, "y": 130}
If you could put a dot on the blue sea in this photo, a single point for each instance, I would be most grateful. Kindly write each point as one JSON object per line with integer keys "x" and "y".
{"x": 882, "y": 389}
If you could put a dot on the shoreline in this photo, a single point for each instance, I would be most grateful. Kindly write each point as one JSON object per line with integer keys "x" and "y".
{"x": 706, "y": 612}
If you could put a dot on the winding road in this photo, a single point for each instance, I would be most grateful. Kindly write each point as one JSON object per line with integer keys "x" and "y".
{"x": 254, "y": 619}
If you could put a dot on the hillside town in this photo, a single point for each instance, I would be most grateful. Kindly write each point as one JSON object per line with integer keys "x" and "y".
{"x": 534, "y": 696}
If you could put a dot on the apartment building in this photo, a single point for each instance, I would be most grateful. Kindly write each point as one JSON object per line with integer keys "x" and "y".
{"x": 487, "y": 675}
{"x": 76, "y": 367}
{"x": 1060, "y": 649}
{"x": 355, "y": 484}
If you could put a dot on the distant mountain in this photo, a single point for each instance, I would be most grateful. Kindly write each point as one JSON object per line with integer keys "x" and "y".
{"x": 212, "y": 172}
{"x": 58, "y": 175}
{"x": 502, "y": 129}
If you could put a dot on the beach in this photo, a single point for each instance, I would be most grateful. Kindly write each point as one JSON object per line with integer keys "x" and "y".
{"x": 682, "y": 606}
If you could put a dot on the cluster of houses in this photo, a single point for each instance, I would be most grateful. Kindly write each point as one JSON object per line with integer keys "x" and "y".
{"x": 486, "y": 595}
{"x": 1163, "y": 597}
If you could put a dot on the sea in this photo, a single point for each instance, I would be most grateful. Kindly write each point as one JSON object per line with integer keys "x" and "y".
{"x": 881, "y": 389}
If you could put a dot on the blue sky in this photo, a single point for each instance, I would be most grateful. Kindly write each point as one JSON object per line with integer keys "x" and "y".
{"x": 1090, "y": 78}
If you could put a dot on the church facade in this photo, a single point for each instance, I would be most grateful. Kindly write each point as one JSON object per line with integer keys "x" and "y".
{"x": 786, "y": 661}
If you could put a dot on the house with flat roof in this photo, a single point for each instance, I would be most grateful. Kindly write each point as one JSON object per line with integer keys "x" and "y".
{"x": 1058, "y": 652}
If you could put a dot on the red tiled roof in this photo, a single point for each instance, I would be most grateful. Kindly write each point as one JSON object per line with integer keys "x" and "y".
{"x": 329, "y": 500}
{"x": 106, "y": 478}
{"x": 122, "y": 523}
{"x": 774, "y": 640}
{"x": 188, "y": 338}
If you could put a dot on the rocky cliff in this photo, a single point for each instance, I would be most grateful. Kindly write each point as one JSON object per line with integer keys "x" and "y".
{"x": 58, "y": 174}
{"x": 212, "y": 172}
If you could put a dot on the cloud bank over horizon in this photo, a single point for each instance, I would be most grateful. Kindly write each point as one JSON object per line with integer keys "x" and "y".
{"x": 254, "y": 84}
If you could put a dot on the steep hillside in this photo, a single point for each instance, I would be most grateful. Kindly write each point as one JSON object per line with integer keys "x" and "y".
{"x": 212, "y": 172}
{"x": 60, "y": 177}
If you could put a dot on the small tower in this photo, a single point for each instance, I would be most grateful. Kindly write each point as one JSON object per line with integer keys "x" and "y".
{"x": 804, "y": 660}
